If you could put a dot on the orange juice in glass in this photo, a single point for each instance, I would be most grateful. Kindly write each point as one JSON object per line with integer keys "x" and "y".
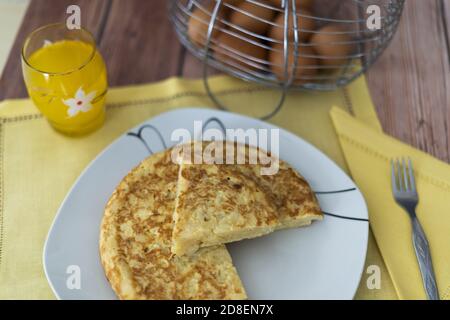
{"x": 66, "y": 78}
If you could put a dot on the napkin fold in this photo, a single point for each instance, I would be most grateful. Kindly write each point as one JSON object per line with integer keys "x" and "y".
{"x": 368, "y": 153}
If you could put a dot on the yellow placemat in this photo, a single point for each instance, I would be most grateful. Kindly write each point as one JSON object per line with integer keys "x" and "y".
{"x": 38, "y": 165}
{"x": 368, "y": 154}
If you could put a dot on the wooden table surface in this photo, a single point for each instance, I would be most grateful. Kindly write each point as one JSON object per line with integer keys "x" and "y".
{"x": 410, "y": 83}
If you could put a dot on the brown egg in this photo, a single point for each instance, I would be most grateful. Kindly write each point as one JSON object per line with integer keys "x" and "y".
{"x": 229, "y": 43}
{"x": 250, "y": 23}
{"x": 199, "y": 23}
{"x": 329, "y": 41}
{"x": 277, "y": 32}
{"x": 306, "y": 66}
{"x": 300, "y": 3}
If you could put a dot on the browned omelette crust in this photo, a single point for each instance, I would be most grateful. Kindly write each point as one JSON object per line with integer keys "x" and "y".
{"x": 223, "y": 203}
{"x": 135, "y": 242}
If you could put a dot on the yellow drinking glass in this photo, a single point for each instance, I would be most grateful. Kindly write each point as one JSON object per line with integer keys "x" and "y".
{"x": 66, "y": 78}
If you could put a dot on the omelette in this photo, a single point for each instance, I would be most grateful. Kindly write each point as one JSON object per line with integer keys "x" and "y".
{"x": 136, "y": 239}
{"x": 222, "y": 203}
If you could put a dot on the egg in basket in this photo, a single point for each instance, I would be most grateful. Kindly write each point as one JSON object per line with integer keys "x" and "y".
{"x": 288, "y": 44}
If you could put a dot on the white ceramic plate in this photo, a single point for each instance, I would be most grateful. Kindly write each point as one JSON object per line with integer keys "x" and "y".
{"x": 323, "y": 261}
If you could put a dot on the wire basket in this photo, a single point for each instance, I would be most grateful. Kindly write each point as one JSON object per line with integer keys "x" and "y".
{"x": 286, "y": 44}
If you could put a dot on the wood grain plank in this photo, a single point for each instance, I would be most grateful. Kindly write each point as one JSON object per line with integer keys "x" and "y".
{"x": 139, "y": 43}
{"x": 39, "y": 13}
{"x": 410, "y": 84}
{"x": 445, "y": 9}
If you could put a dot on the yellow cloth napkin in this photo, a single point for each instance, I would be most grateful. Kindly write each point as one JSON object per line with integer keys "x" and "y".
{"x": 38, "y": 165}
{"x": 368, "y": 155}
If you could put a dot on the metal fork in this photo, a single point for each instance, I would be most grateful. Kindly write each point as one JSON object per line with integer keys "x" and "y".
{"x": 405, "y": 194}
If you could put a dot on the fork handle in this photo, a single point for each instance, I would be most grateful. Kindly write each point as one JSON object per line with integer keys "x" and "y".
{"x": 424, "y": 258}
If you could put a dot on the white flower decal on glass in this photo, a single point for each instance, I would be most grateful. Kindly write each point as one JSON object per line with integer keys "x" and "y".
{"x": 81, "y": 102}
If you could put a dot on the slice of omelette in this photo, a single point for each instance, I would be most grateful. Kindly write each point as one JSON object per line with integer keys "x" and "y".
{"x": 222, "y": 203}
{"x": 136, "y": 239}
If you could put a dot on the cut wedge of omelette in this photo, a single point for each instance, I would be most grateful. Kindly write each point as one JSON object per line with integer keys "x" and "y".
{"x": 222, "y": 203}
{"x": 136, "y": 239}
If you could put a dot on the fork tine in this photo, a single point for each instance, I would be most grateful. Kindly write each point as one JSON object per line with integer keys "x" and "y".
{"x": 405, "y": 174}
{"x": 398, "y": 169}
{"x": 393, "y": 177}
{"x": 412, "y": 180}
